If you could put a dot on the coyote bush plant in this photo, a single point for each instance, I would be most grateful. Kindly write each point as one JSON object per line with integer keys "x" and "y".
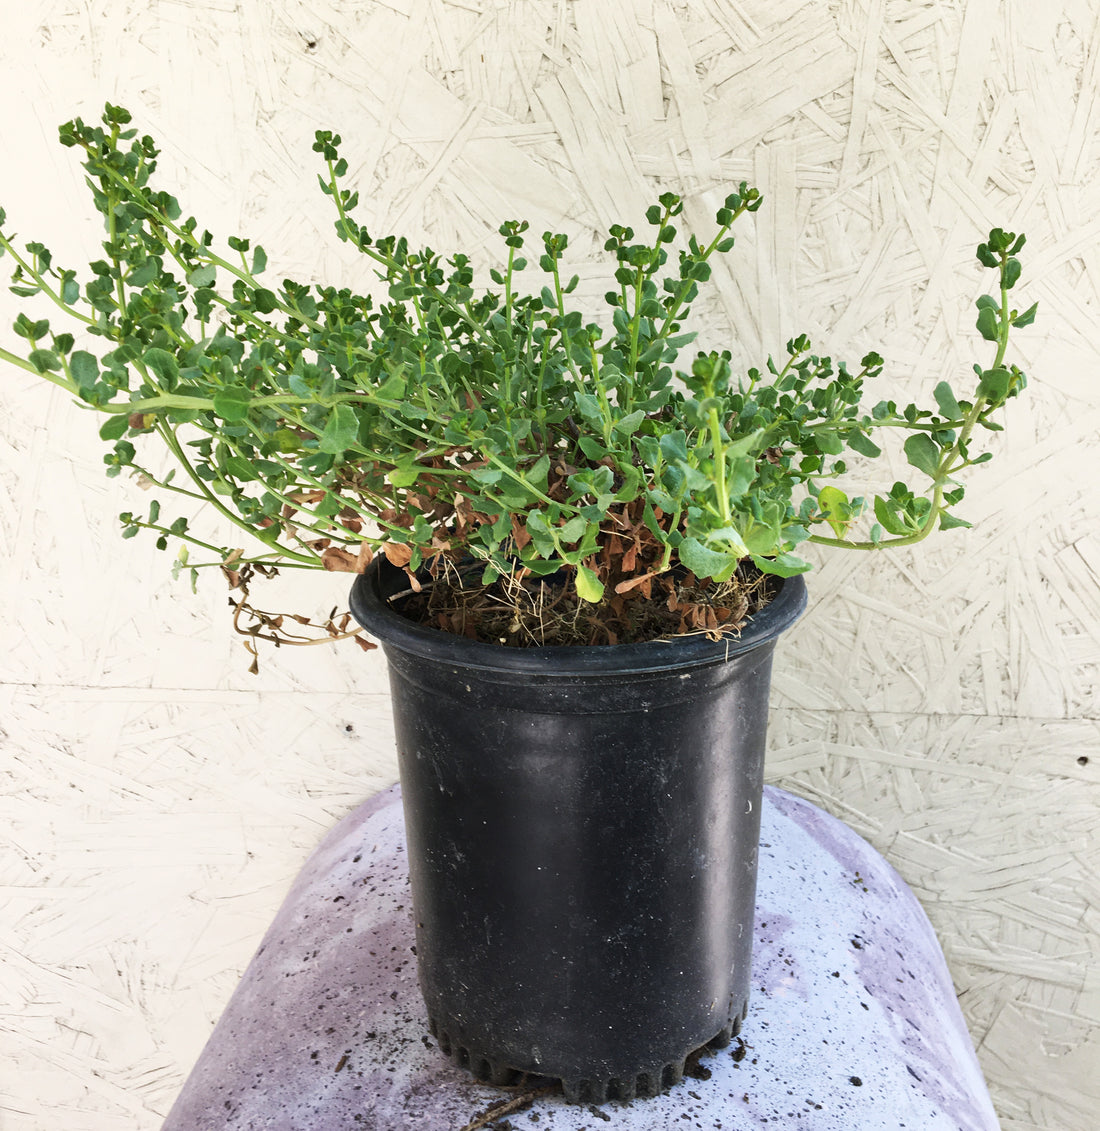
{"x": 446, "y": 422}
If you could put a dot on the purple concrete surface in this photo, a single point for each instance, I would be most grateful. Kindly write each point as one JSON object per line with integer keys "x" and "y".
{"x": 853, "y": 1024}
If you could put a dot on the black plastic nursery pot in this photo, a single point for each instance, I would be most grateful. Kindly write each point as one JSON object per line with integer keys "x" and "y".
{"x": 582, "y": 827}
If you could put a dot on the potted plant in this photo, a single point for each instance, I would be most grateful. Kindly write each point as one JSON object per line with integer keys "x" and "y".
{"x": 577, "y": 551}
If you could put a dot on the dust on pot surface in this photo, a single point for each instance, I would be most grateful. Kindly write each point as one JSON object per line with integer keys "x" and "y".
{"x": 582, "y": 826}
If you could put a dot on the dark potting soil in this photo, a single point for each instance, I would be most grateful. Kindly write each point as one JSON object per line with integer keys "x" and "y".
{"x": 526, "y": 611}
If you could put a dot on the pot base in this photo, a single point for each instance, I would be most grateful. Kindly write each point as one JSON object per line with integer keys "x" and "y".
{"x": 647, "y": 1081}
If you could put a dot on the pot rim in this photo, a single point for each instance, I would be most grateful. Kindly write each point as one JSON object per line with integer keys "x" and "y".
{"x": 369, "y": 607}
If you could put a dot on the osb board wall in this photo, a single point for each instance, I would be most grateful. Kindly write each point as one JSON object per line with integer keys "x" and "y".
{"x": 155, "y": 799}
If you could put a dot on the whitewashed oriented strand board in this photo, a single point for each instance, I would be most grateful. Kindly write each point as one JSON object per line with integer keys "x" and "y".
{"x": 156, "y": 799}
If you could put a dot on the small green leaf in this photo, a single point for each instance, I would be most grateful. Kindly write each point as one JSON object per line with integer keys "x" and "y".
{"x": 589, "y": 586}
{"x": 862, "y": 443}
{"x": 164, "y": 365}
{"x": 629, "y": 423}
{"x": 286, "y": 440}
{"x": 232, "y": 404}
{"x": 986, "y": 256}
{"x": 264, "y": 301}
{"x": 652, "y": 352}
{"x": 592, "y": 448}
{"x": 995, "y": 384}
{"x": 405, "y": 474}
{"x": 114, "y": 428}
{"x": 45, "y": 361}
{"x": 241, "y": 469}
{"x": 836, "y": 509}
{"x": 32, "y": 331}
{"x": 945, "y": 398}
{"x": 921, "y": 451}
{"x": 888, "y": 519}
{"x": 84, "y": 368}
{"x": 783, "y": 565}
{"x": 704, "y": 562}
{"x": 393, "y": 388}
{"x": 144, "y": 274}
{"x": 341, "y": 430}
{"x": 589, "y": 407}
{"x": 202, "y": 276}
{"x": 674, "y": 445}
{"x": 1027, "y": 317}
{"x": 536, "y": 474}
{"x": 829, "y": 443}
{"x": 989, "y": 324}
{"x": 573, "y": 530}
{"x": 949, "y": 522}
{"x": 259, "y": 261}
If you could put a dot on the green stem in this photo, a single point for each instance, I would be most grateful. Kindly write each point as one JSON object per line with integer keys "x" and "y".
{"x": 22, "y": 363}
{"x": 559, "y": 298}
{"x": 508, "y": 286}
{"x": 182, "y": 536}
{"x": 674, "y": 310}
{"x": 666, "y": 557}
{"x": 40, "y": 281}
{"x": 512, "y": 473}
{"x": 951, "y": 460}
{"x": 605, "y": 407}
{"x": 636, "y": 321}
{"x": 171, "y": 440}
{"x": 718, "y": 455}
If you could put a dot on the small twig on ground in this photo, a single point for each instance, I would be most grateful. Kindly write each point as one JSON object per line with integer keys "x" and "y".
{"x": 508, "y": 1107}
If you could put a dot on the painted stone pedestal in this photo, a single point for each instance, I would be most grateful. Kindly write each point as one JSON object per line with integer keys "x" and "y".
{"x": 853, "y": 1024}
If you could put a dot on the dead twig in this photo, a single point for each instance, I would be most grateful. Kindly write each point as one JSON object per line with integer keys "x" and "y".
{"x": 274, "y": 623}
{"x": 508, "y": 1107}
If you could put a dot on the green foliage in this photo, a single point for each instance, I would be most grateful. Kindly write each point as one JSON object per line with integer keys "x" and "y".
{"x": 444, "y": 420}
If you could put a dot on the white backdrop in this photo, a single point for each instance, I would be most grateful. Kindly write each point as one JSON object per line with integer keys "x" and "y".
{"x": 156, "y": 799}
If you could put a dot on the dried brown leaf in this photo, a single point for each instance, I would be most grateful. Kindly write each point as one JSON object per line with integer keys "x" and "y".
{"x": 339, "y": 561}
{"x": 645, "y": 579}
{"x": 398, "y": 554}
{"x": 519, "y": 533}
{"x": 308, "y": 497}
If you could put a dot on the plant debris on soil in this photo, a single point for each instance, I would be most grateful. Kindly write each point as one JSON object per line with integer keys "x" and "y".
{"x": 520, "y": 610}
